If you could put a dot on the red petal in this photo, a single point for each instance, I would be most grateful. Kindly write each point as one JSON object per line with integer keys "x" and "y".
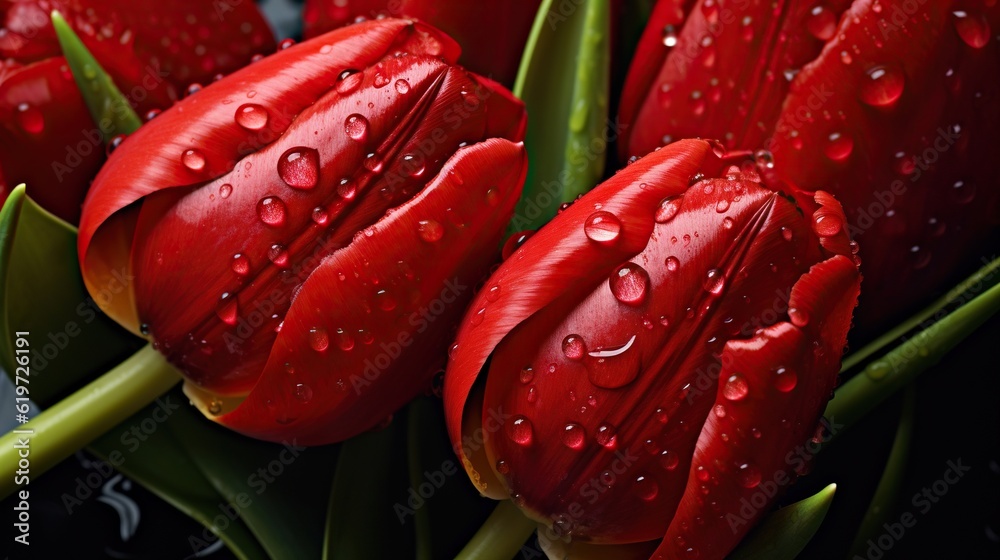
{"x": 771, "y": 389}
{"x": 383, "y": 352}
{"x": 561, "y": 261}
{"x": 492, "y": 34}
{"x": 152, "y": 159}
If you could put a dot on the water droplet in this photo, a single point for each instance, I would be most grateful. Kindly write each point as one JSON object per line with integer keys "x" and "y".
{"x": 320, "y": 216}
{"x": 503, "y": 467}
{"x": 519, "y": 430}
{"x": 478, "y": 317}
{"x": 883, "y": 86}
{"x": 799, "y": 317}
{"x": 385, "y": 300}
{"x": 225, "y": 190}
{"x": 669, "y": 36}
{"x": 784, "y": 379}
{"x": 974, "y": 30}
{"x": 318, "y": 339}
{"x": 574, "y": 436}
{"x": 727, "y": 223}
{"x": 285, "y": 43}
{"x": 629, "y": 284}
{"x": 356, "y": 127}
{"x": 215, "y": 407}
{"x": 721, "y": 206}
{"x": 227, "y": 309}
{"x": 672, "y": 264}
{"x": 963, "y": 192}
{"x": 30, "y": 118}
{"x": 828, "y": 225}
{"x": 348, "y": 81}
{"x": 822, "y": 23}
{"x": 493, "y": 293}
{"x": 839, "y": 146}
{"x": 669, "y": 207}
{"x": 303, "y": 392}
{"x": 278, "y": 255}
{"x": 602, "y": 227}
{"x": 573, "y": 347}
{"x": 413, "y": 165}
{"x": 715, "y": 281}
{"x": 669, "y": 460}
{"x": 299, "y": 167}
{"x": 251, "y": 116}
{"x": 344, "y": 340}
{"x": 748, "y": 475}
{"x": 646, "y": 488}
{"x": 607, "y": 435}
{"x": 402, "y": 86}
{"x": 718, "y": 149}
{"x": 736, "y": 387}
{"x": 787, "y": 233}
{"x": 272, "y": 211}
{"x": 241, "y": 264}
{"x": 527, "y": 374}
{"x": 430, "y": 231}
{"x": 381, "y": 80}
{"x": 193, "y": 160}
{"x": 764, "y": 159}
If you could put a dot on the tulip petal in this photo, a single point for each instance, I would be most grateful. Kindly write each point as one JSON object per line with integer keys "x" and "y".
{"x": 325, "y": 355}
{"x": 769, "y": 388}
{"x": 557, "y": 549}
{"x": 282, "y": 86}
{"x": 555, "y": 254}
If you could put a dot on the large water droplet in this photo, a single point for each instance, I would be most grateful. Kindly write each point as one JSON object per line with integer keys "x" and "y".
{"x": 828, "y": 225}
{"x": 573, "y": 347}
{"x": 646, "y": 488}
{"x": 356, "y": 127}
{"x": 574, "y": 436}
{"x": 251, "y": 116}
{"x": 784, "y": 379}
{"x": 629, "y": 284}
{"x": 839, "y": 146}
{"x": 430, "y": 230}
{"x": 272, "y": 211}
{"x": 883, "y": 86}
{"x": 669, "y": 207}
{"x": 672, "y": 264}
{"x": 298, "y": 167}
{"x": 318, "y": 339}
{"x": 607, "y": 435}
{"x": 715, "y": 281}
{"x": 974, "y": 30}
{"x": 519, "y": 430}
{"x": 602, "y": 227}
{"x": 225, "y": 190}
{"x": 193, "y": 160}
{"x": 402, "y": 86}
{"x": 348, "y": 81}
{"x": 669, "y": 460}
{"x": 736, "y": 387}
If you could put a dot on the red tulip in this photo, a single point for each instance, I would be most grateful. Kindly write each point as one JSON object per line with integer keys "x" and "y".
{"x": 492, "y": 33}
{"x": 650, "y": 357}
{"x": 891, "y": 105}
{"x": 300, "y": 237}
{"x": 152, "y": 50}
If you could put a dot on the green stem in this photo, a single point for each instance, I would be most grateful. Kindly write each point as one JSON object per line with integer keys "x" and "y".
{"x": 501, "y": 537}
{"x": 75, "y": 421}
{"x": 886, "y": 375}
{"x": 421, "y": 517}
{"x": 984, "y": 277}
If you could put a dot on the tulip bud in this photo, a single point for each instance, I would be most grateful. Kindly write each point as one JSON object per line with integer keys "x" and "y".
{"x": 652, "y": 355}
{"x": 304, "y": 233}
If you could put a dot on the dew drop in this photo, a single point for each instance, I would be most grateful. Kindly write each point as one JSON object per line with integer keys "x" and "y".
{"x": 668, "y": 209}
{"x": 669, "y": 460}
{"x": 715, "y": 281}
{"x": 672, "y": 264}
{"x": 493, "y": 293}
{"x": 798, "y": 317}
{"x": 787, "y": 233}
{"x": 607, "y": 436}
{"x": 736, "y": 387}
{"x": 430, "y": 230}
{"x": 385, "y": 300}
{"x": 519, "y": 430}
{"x": 318, "y": 339}
{"x": 348, "y": 81}
{"x": 839, "y": 146}
{"x": 344, "y": 340}
{"x": 629, "y": 284}
{"x": 764, "y": 159}
{"x": 669, "y": 36}
{"x": 784, "y": 379}
{"x": 227, "y": 310}
{"x": 822, "y": 23}
{"x": 402, "y": 86}
{"x": 30, "y": 119}
{"x": 727, "y": 223}
{"x": 602, "y": 227}
{"x": 215, "y": 407}
{"x": 320, "y": 216}
{"x": 573, "y": 347}
{"x": 974, "y": 30}
{"x": 721, "y": 206}
{"x": 278, "y": 255}
{"x": 299, "y": 167}
{"x": 646, "y": 488}
{"x": 251, "y": 116}
{"x": 193, "y": 160}
{"x": 225, "y": 190}
{"x": 272, "y": 211}
{"x": 883, "y": 86}
{"x": 527, "y": 374}
{"x": 356, "y": 127}
{"x": 241, "y": 264}
{"x": 828, "y": 225}
{"x": 748, "y": 476}
{"x": 574, "y": 436}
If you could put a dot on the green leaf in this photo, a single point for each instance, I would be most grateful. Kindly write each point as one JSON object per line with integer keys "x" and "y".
{"x": 564, "y": 80}
{"x": 368, "y": 510}
{"x": 941, "y": 331}
{"x": 157, "y": 460}
{"x": 110, "y": 110}
{"x": 42, "y": 293}
{"x": 891, "y": 483}
{"x": 784, "y": 533}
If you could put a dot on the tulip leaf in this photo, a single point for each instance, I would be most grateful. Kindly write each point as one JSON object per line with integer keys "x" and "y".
{"x": 891, "y": 483}
{"x": 158, "y": 460}
{"x": 784, "y": 533}
{"x": 110, "y": 109}
{"x": 368, "y": 506}
{"x": 564, "y": 81}
{"x": 42, "y": 293}
{"x": 279, "y": 490}
{"x": 941, "y": 331}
